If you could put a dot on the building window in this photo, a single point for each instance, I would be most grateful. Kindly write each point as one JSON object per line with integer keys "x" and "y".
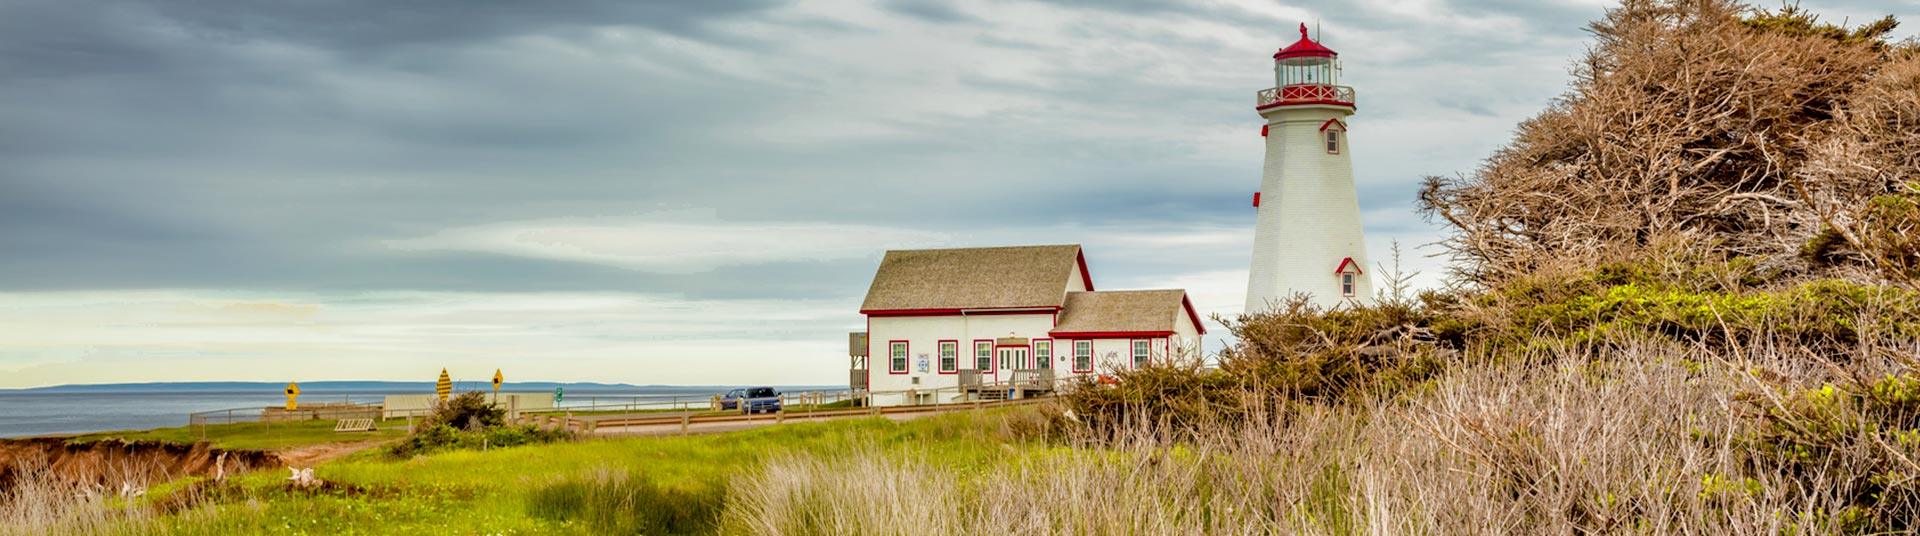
{"x": 1346, "y": 285}
{"x": 983, "y": 355}
{"x": 1333, "y": 141}
{"x": 898, "y": 352}
{"x": 1083, "y": 356}
{"x": 949, "y": 355}
{"x": 1043, "y": 354}
{"x": 1141, "y": 349}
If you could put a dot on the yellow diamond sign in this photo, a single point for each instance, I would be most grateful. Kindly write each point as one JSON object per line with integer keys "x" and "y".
{"x": 293, "y": 391}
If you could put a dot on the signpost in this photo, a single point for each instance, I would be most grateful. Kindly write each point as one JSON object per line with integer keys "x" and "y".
{"x": 445, "y": 386}
{"x": 556, "y": 396}
{"x": 293, "y": 391}
{"x": 497, "y": 378}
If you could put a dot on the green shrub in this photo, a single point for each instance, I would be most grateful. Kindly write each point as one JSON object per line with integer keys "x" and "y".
{"x": 1295, "y": 353}
{"x": 614, "y": 502}
{"x": 1855, "y": 440}
{"x": 468, "y": 411}
{"x": 1720, "y": 304}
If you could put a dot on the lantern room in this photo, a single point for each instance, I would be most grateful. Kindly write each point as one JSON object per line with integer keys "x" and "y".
{"x": 1306, "y": 63}
{"x": 1305, "y": 73}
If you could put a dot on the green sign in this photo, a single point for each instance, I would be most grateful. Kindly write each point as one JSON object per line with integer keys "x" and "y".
{"x": 556, "y": 395}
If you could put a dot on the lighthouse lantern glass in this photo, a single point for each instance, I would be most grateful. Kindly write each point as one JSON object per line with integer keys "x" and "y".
{"x": 1306, "y": 71}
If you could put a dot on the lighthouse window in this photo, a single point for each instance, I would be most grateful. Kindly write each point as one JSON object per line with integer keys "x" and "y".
{"x": 1346, "y": 285}
{"x": 1333, "y": 142}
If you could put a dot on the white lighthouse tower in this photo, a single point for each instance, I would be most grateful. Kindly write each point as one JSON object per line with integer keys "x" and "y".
{"x": 1307, "y": 237}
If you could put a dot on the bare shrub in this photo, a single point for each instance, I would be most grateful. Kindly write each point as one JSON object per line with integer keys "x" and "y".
{"x": 1747, "y": 133}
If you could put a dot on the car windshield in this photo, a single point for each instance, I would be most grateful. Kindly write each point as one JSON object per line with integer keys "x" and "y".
{"x": 758, "y": 392}
{"x": 733, "y": 394}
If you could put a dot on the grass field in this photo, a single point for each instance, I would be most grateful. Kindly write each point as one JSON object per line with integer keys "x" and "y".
{"x": 630, "y": 485}
{"x": 253, "y": 435}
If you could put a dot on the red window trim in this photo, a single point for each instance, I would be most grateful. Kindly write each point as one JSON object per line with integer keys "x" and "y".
{"x": 909, "y": 353}
{"x": 941, "y": 346}
{"x": 1073, "y": 350}
{"x": 1051, "y": 351}
{"x": 993, "y": 359}
{"x": 1332, "y": 122}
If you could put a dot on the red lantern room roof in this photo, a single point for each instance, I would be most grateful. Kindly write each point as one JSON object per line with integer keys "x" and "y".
{"x": 1304, "y": 48}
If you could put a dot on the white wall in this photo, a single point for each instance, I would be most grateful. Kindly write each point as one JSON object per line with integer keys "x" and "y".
{"x": 923, "y": 334}
{"x": 1309, "y": 215}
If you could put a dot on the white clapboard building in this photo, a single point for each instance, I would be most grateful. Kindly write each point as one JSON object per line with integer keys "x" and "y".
{"x": 950, "y": 325}
{"x": 1307, "y": 237}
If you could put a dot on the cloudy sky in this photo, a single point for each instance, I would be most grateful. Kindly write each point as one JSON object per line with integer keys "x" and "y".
{"x": 666, "y": 192}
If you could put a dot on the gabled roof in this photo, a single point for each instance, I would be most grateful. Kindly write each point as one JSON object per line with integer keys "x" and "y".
{"x": 942, "y": 280}
{"x": 1126, "y": 311}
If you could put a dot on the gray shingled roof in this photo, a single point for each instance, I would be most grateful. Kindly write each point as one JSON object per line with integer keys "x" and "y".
{"x": 973, "y": 278}
{"x": 1122, "y": 310}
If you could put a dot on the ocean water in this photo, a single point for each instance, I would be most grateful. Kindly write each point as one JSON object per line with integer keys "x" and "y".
{"x": 35, "y": 413}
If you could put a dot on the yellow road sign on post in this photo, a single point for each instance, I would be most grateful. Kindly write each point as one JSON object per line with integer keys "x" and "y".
{"x": 497, "y": 378}
{"x": 445, "y": 386}
{"x": 293, "y": 391}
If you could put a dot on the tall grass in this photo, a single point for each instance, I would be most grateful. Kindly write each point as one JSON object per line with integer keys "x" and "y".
{"x": 609, "y": 500}
{"x": 1652, "y": 438}
{"x": 38, "y": 501}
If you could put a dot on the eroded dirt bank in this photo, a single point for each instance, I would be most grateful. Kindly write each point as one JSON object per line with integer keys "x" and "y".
{"x": 114, "y": 462}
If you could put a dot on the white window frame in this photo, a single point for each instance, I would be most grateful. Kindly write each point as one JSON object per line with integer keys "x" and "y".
{"x": 1333, "y": 141}
{"x": 1142, "y": 351}
{"x": 1347, "y": 284}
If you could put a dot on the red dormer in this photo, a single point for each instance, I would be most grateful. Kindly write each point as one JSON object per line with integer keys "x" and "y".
{"x": 1305, "y": 48}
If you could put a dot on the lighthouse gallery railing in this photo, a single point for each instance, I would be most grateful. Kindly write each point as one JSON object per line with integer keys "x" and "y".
{"x": 1304, "y": 94}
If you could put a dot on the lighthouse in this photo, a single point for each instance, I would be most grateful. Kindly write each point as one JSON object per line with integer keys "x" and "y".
{"x": 1307, "y": 236}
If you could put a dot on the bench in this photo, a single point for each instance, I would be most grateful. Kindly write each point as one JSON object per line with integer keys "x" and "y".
{"x": 354, "y": 425}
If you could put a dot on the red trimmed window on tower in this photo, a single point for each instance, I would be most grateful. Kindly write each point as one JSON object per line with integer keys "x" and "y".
{"x": 1333, "y": 141}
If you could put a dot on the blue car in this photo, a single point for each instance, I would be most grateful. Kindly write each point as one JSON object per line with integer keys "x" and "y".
{"x": 751, "y": 400}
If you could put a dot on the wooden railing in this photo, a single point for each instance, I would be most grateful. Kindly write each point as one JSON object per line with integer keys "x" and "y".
{"x": 1304, "y": 94}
